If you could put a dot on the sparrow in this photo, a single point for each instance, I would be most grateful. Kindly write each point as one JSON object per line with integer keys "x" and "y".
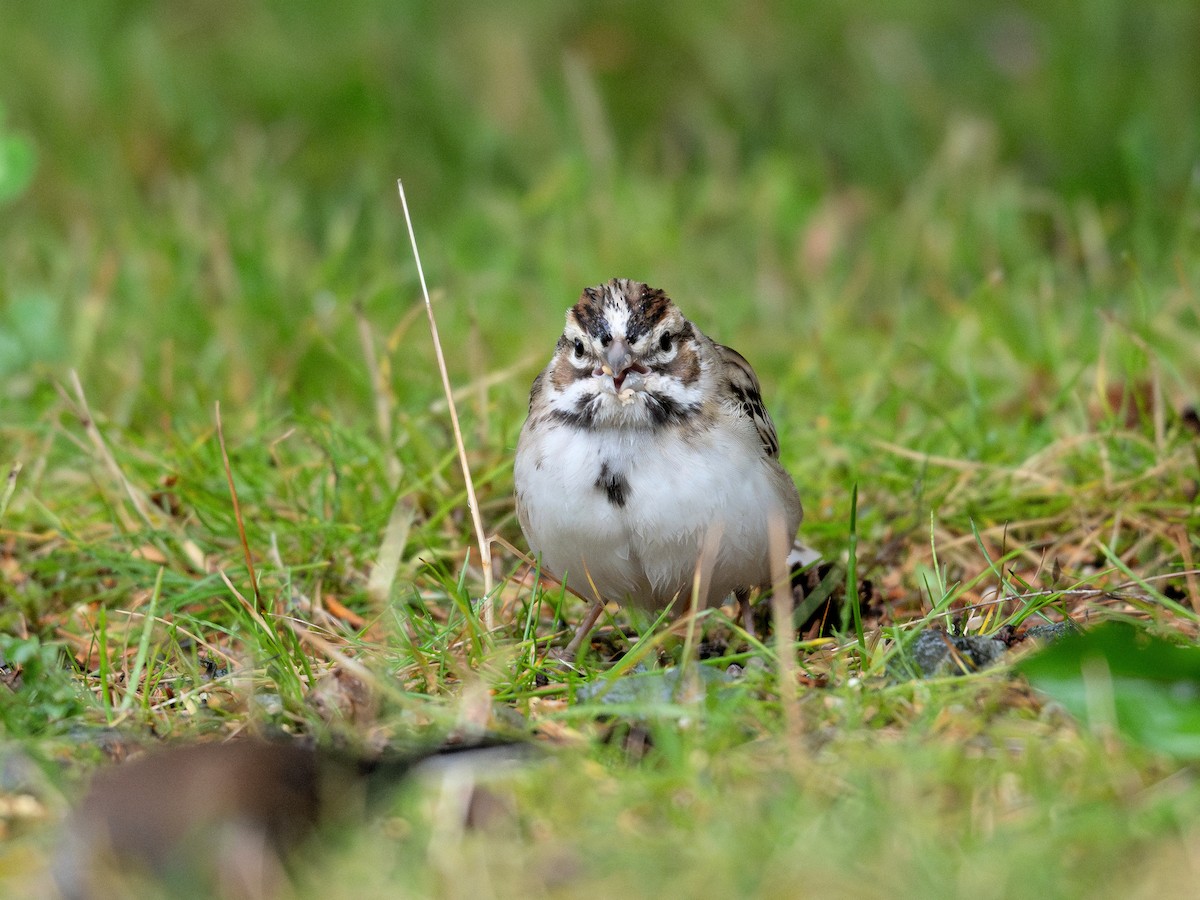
{"x": 648, "y": 465}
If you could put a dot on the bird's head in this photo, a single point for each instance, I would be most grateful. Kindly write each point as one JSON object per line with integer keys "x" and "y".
{"x": 627, "y": 357}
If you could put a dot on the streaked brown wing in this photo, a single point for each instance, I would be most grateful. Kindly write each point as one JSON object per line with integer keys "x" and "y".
{"x": 747, "y": 394}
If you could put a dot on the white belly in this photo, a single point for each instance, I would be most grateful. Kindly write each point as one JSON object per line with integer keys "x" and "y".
{"x": 678, "y": 493}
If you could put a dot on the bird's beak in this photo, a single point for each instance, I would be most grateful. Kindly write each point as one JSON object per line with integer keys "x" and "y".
{"x": 619, "y": 362}
{"x": 617, "y": 359}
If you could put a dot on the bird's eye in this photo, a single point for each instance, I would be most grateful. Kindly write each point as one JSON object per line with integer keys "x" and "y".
{"x": 578, "y": 348}
{"x": 664, "y": 342}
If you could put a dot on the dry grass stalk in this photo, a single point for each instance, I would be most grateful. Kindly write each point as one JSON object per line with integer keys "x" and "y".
{"x": 485, "y": 552}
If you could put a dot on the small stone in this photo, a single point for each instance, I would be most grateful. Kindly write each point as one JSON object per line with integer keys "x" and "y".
{"x": 937, "y": 653}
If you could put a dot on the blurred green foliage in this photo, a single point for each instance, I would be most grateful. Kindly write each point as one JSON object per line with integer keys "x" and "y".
{"x": 45, "y": 695}
{"x": 1099, "y": 99}
{"x": 829, "y": 185}
{"x": 1118, "y": 678}
{"x": 16, "y": 162}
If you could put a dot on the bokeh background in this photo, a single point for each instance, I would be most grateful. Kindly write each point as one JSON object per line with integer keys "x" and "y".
{"x": 750, "y": 157}
{"x": 923, "y": 222}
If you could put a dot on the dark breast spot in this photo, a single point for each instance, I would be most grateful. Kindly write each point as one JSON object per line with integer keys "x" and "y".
{"x": 614, "y": 485}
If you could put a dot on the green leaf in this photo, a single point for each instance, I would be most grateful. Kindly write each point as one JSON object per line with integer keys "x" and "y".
{"x": 30, "y": 332}
{"x": 16, "y": 165}
{"x": 1117, "y": 676}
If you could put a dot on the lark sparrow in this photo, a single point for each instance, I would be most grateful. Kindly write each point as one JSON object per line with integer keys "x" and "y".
{"x": 648, "y": 448}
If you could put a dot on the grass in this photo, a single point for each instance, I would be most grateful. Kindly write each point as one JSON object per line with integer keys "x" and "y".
{"x": 960, "y": 250}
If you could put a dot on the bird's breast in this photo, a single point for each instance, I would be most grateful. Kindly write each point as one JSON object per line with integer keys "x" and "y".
{"x": 629, "y": 514}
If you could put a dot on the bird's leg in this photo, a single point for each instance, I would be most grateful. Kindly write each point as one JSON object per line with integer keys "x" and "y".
{"x": 743, "y": 602}
{"x": 574, "y": 650}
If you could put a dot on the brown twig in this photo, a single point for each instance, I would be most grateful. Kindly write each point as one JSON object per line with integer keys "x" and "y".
{"x": 237, "y": 510}
{"x": 1180, "y": 536}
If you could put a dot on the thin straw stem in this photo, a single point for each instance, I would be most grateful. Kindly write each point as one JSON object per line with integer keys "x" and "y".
{"x": 485, "y": 550}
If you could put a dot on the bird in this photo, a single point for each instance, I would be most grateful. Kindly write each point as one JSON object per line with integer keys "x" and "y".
{"x": 647, "y": 457}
